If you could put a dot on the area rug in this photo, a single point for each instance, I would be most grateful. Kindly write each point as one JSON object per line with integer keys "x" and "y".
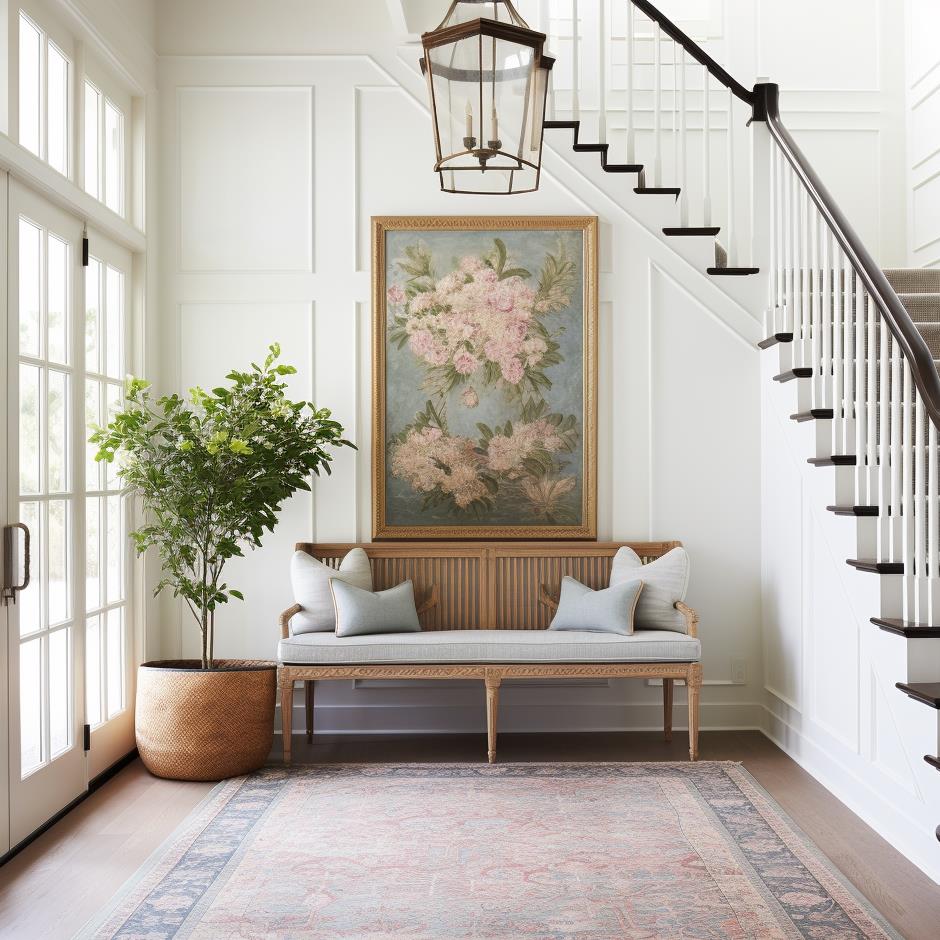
{"x": 549, "y": 852}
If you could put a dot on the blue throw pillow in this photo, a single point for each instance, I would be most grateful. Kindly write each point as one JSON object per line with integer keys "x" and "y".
{"x": 360, "y": 612}
{"x": 608, "y": 611}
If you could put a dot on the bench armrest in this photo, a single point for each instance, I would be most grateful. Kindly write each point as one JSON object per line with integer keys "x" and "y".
{"x": 691, "y": 618}
{"x": 545, "y": 598}
{"x": 284, "y": 619}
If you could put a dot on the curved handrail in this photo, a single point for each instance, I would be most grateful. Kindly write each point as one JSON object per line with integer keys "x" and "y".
{"x": 912, "y": 344}
{"x": 694, "y": 50}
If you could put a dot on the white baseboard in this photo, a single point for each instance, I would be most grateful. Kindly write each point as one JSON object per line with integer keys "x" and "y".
{"x": 913, "y": 838}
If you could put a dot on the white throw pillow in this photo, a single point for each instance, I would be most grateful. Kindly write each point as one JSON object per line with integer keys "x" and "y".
{"x": 666, "y": 580}
{"x": 311, "y": 582}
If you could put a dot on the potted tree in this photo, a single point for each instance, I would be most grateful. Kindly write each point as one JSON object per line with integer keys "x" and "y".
{"x": 212, "y": 473}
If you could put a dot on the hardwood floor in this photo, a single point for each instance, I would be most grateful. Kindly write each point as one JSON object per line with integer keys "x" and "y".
{"x": 56, "y": 884}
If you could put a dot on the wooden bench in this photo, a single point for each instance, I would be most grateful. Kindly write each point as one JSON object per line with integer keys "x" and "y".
{"x": 492, "y": 591}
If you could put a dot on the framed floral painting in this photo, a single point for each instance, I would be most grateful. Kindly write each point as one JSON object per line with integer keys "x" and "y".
{"x": 484, "y": 385}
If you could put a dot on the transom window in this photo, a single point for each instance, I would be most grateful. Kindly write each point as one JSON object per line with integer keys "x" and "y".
{"x": 104, "y": 149}
{"x": 44, "y": 81}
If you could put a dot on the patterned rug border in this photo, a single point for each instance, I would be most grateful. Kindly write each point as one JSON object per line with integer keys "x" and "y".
{"x": 214, "y": 801}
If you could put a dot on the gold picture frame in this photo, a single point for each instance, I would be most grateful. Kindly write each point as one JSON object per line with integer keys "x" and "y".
{"x": 555, "y": 497}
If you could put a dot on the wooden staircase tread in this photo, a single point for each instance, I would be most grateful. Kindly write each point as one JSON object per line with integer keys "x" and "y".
{"x": 905, "y": 628}
{"x": 814, "y": 414}
{"x": 732, "y": 272}
{"x": 933, "y": 761}
{"x": 854, "y": 510}
{"x": 836, "y": 460}
{"x": 622, "y": 167}
{"x": 876, "y": 567}
{"x": 776, "y": 338}
{"x": 711, "y": 231}
{"x": 800, "y": 372}
{"x": 658, "y": 191}
{"x": 926, "y": 692}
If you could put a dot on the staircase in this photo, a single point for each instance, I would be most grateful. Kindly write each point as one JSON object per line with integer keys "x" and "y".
{"x": 860, "y": 345}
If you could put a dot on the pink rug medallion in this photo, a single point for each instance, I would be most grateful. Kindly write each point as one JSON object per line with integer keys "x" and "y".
{"x": 541, "y": 851}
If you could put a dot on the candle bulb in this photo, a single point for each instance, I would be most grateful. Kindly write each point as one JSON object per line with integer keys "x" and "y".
{"x": 494, "y": 127}
{"x": 469, "y": 120}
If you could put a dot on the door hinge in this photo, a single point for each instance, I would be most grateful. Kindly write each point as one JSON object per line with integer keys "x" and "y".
{"x": 86, "y": 731}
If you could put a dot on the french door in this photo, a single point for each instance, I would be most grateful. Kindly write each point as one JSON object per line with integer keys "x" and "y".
{"x": 69, "y": 646}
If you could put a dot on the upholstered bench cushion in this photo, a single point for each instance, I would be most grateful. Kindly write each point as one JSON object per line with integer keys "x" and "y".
{"x": 489, "y": 646}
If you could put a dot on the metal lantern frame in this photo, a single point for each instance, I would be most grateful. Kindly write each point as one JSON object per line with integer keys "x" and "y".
{"x": 536, "y": 73}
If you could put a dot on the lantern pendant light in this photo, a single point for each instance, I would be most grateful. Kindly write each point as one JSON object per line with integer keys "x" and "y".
{"x": 487, "y": 75}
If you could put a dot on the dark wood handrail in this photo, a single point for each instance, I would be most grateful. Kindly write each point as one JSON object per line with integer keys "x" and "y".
{"x": 694, "y": 50}
{"x": 912, "y": 344}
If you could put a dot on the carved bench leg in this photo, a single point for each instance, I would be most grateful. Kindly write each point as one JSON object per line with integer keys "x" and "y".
{"x": 308, "y": 702}
{"x": 667, "y": 708}
{"x": 286, "y": 686}
{"x": 694, "y": 683}
{"x": 492, "y": 709}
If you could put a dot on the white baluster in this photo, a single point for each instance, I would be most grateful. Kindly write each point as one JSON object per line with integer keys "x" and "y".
{"x": 657, "y": 105}
{"x": 683, "y": 147}
{"x": 774, "y": 280}
{"x": 900, "y": 438}
{"x": 884, "y": 437}
{"x": 675, "y": 111}
{"x": 732, "y": 227}
{"x": 825, "y": 256}
{"x": 706, "y": 149}
{"x": 575, "y": 63}
{"x": 631, "y": 40}
{"x": 871, "y": 455}
{"x": 838, "y": 349}
{"x": 907, "y": 486}
{"x": 796, "y": 287}
{"x": 933, "y": 526}
{"x": 848, "y": 347}
{"x": 602, "y": 71}
{"x": 812, "y": 284}
{"x": 919, "y": 561}
{"x": 861, "y": 423}
{"x": 806, "y": 305}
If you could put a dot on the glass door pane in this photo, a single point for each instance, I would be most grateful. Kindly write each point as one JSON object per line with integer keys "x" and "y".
{"x": 47, "y": 759}
{"x": 109, "y": 642}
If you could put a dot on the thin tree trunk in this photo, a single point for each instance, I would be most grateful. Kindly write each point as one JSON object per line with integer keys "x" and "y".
{"x": 205, "y": 640}
{"x": 211, "y": 639}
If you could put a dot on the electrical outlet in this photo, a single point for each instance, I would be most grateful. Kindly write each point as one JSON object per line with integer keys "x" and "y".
{"x": 738, "y": 671}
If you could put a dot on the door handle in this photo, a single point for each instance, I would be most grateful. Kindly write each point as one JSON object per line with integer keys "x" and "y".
{"x": 10, "y": 589}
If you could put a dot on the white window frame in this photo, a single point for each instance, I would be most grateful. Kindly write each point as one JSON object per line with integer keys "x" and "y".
{"x": 50, "y": 33}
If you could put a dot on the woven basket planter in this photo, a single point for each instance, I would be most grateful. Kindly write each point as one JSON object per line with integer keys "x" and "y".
{"x": 196, "y": 724}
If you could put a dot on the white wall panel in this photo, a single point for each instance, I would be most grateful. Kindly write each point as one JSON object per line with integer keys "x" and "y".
{"x": 923, "y": 28}
{"x": 215, "y": 338}
{"x": 926, "y": 222}
{"x": 246, "y": 171}
{"x": 849, "y": 64}
{"x": 711, "y": 437}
